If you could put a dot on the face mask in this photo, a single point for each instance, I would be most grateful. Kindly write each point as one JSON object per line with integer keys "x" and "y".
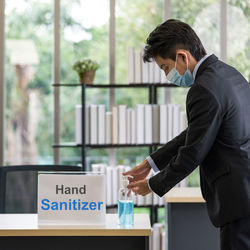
{"x": 183, "y": 81}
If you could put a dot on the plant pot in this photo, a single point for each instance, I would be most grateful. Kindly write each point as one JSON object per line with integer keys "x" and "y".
{"x": 88, "y": 77}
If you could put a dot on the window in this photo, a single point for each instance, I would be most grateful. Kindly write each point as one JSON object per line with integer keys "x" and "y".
{"x": 238, "y": 37}
{"x": 134, "y": 22}
{"x": 85, "y": 34}
{"x": 29, "y": 34}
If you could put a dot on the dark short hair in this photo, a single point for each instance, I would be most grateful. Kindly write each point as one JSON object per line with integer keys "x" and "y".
{"x": 169, "y": 36}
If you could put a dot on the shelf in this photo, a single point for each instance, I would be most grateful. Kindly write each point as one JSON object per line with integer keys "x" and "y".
{"x": 66, "y": 145}
{"x": 74, "y": 145}
{"x": 130, "y": 85}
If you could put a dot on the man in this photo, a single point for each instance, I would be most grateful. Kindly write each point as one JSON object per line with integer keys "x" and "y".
{"x": 217, "y": 138}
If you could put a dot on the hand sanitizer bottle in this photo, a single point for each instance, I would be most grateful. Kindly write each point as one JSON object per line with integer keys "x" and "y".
{"x": 125, "y": 204}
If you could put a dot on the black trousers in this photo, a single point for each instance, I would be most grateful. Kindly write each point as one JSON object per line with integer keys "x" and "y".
{"x": 236, "y": 235}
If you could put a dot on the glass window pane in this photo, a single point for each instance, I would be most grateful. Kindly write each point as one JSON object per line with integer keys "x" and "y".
{"x": 238, "y": 37}
{"x": 84, "y": 35}
{"x": 29, "y": 39}
{"x": 134, "y": 21}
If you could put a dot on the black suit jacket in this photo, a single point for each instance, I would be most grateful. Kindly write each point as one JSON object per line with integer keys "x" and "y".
{"x": 217, "y": 139}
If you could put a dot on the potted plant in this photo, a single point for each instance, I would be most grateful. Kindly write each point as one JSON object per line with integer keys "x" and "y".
{"x": 86, "y": 70}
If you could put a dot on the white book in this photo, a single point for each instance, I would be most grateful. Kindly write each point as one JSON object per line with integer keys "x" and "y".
{"x": 170, "y": 121}
{"x": 157, "y": 73}
{"x": 138, "y": 68}
{"x": 131, "y": 65}
{"x": 87, "y": 125}
{"x": 114, "y": 185}
{"x": 148, "y": 124}
{"x": 141, "y": 200}
{"x": 93, "y": 124}
{"x": 127, "y": 168}
{"x": 128, "y": 127}
{"x": 108, "y": 126}
{"x": 155, "y": 199}
{"x": 98, "y": 167}
{"x": 115, "y": 125}
{"x": 103, "y": 168}
{"x": 176, "y": 120}
{"x": 122, "y": 123}
{"x": 149, "y": 199}
{"x": 140, "y": 122}
{"x": 163, "y": 123}
{"x": 78, "y": 124}
{"x": 145, "y": 72}
{"x": 183, "y": 121}
{"x": 157, "y": 230}
{"x": 145, "y": 69}
{"x": 163, "y": 241}
{"x": 95, "y": 168}
{"x": 151, "y": 240}
{"x": 151, "y": 72}
{"x": 133, "y": 126}
{"x": 101, "y": 124}
{"x": 156, "y": 123}
{"x": 135, "y": 199}
{"x": 109, "y": 186}
{"x": 163, "y": 77}
{"x": 184, "y": 183}
{"x": 162, "y": 201}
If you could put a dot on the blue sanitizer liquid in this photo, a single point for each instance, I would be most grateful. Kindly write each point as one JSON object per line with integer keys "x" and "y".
{"x": 126, "y": 212}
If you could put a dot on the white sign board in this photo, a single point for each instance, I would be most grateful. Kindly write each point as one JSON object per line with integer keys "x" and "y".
{"x": 74, "y": 198}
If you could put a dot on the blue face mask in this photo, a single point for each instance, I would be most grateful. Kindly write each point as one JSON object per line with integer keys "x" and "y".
{"x": 183, "y": 81}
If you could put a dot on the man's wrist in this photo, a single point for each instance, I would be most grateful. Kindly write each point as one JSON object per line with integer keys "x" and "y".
{"x": 146, "y": 163}
{"x": 152, "y": 164}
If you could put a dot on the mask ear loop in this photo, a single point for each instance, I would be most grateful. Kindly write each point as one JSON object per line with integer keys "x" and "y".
{"x": 187, "y": 62}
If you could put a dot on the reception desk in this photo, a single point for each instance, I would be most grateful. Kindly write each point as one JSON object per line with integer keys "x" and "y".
{"x": 20, "y": 231}
{"x": 187, "y": 221}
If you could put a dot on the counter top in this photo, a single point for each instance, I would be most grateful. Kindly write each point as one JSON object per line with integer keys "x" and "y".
{"x": 184, "y": 194}
{"x": 26, "y": 225}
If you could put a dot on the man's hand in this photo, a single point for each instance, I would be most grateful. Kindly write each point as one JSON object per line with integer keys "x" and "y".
{"x": 140, "y": 187}
{"x": 139, "y": 172}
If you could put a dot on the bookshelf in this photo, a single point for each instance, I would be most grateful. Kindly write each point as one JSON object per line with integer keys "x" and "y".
{"x": 152, "y": 88}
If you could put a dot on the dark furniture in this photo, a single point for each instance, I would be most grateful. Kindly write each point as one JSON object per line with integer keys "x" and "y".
{"x": 18, "y": 186}
{"x": 187, "y": 221}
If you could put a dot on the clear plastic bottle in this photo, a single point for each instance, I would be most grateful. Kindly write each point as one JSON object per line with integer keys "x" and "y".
{"x": 125, "y": 204}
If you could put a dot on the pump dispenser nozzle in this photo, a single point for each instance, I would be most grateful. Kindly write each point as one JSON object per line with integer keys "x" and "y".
{"x": 124, "y": 181}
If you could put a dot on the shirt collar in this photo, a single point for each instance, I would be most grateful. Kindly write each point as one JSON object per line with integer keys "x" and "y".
{"x": 198, "y": 65}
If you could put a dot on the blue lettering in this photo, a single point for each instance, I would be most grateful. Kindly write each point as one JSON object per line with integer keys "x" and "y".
{"x": 84, "y": 206}
{"x": 70, "y": 205}
{"x": 61, "y": 205}
{"x": 44, "y": 202}
{"x": 99, "y": 205}
{"x": 54, "y": 205}
{"x": 92, "y": 205}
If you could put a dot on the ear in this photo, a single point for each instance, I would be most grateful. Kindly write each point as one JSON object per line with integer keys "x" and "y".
{"x": 184, "y": 55}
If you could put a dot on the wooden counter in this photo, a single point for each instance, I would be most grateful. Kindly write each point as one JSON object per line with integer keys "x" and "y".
{"x": 184, "y": 194}
{"x": 26, "y": 225}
